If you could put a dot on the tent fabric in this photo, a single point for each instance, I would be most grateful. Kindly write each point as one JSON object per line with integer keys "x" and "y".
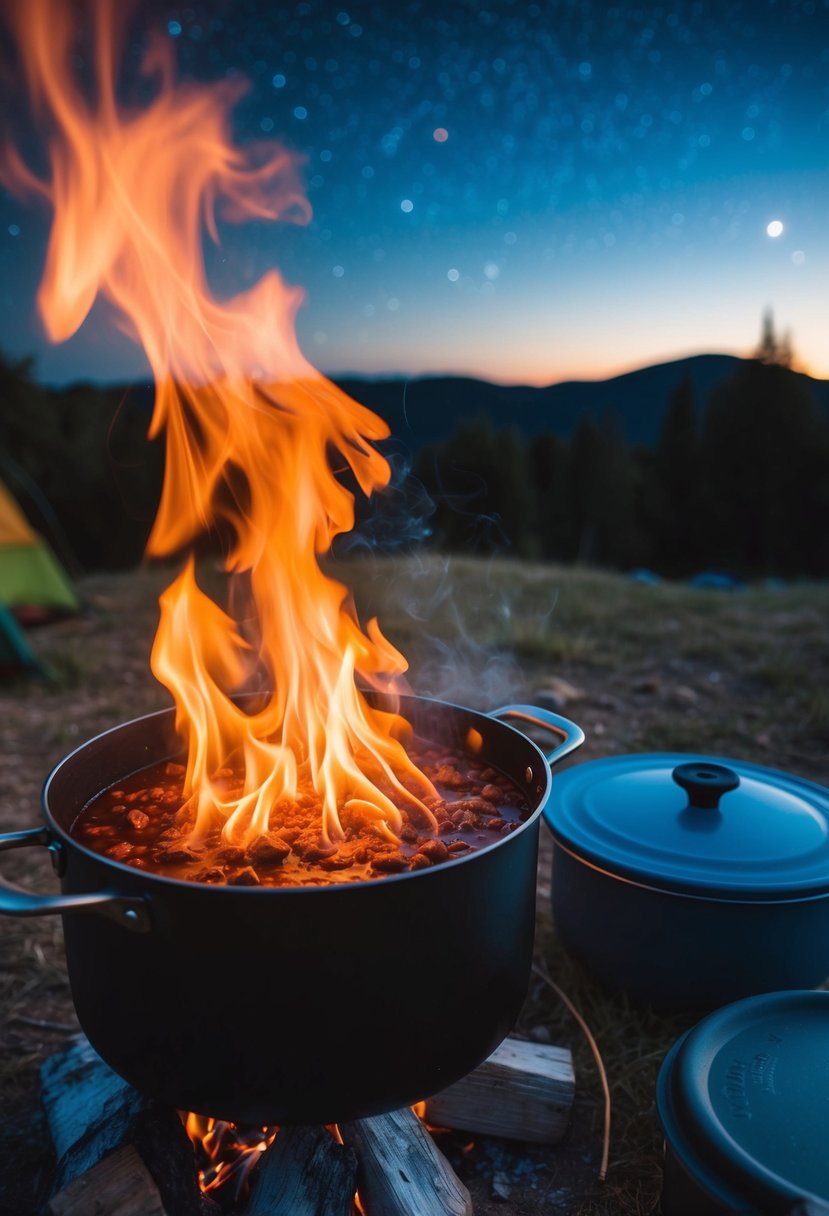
{"x": 30, "y": 575}
{"x": 14, "y": 527}
{"x": 31, "y": 578}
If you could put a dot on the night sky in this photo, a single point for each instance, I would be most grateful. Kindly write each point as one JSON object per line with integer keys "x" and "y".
{"x": 526, "y": 192}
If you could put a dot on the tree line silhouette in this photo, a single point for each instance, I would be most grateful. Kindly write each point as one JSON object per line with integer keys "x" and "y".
{"x": 80, "y": 465}
{"x": 739, "y": 482}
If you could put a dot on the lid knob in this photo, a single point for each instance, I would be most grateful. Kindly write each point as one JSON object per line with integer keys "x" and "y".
{"x": 705, "y": 783}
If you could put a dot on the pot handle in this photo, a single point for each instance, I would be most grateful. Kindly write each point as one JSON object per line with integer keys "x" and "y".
{"x": 571, "y": 736}
{"x": 132, "y": 914}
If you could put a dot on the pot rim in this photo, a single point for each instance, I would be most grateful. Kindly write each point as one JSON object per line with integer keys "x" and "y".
{"x": 747, "y": 899}
{"x": 165, "y": 883}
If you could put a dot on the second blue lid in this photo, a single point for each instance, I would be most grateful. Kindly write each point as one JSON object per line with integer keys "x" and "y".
{"x": 743, "y": 1099}
{"x": 703, "y": 825}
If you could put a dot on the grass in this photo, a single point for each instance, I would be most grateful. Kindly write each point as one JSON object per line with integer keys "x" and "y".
{"x": 655, "y": 668}
{"x": 817, "y": 715}
{"x": 665, "y": 667}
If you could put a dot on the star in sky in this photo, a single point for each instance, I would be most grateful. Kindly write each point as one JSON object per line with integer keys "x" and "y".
{"x": 520, "y": 191}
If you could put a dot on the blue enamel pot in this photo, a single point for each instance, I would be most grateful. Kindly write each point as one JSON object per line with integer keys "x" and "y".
{"x": 743, "y": 1099}
{"x": 686, "y": 881}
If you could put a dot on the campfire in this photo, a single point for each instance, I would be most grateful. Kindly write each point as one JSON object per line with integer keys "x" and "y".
{"x": 129, "y": 1154}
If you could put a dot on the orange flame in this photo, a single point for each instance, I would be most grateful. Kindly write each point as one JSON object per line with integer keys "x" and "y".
{"x": 225, "y": 1155}
{"x": 251, "y": 428}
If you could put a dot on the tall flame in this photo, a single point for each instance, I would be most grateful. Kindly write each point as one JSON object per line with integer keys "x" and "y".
{"x": 252, "y": 430}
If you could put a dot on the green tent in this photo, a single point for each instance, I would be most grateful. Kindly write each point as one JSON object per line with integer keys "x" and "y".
{"x": 30, "y": 576}
{"x": 32, "y": 585}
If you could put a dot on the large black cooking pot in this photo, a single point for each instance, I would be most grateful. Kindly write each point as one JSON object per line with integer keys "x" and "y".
{"x": 296, "y": 1005}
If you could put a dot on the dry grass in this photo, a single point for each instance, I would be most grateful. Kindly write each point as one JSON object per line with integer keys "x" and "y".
{"x": 653, "y": 668}
{"x": 633, "y": 1044}
{"x": 666, "y": 667}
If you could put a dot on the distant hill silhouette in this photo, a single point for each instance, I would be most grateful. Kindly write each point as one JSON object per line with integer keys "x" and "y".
{"x": 426, "y": 410}
{"x": 748, "y": 491}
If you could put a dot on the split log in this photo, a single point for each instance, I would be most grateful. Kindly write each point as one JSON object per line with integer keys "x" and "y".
{"x": 91, "y": 1111}
{"x": 119, "y": 1185}
{"x": 305, "y": 1172}
{"x": 401, "y": 1172}
{"x": 524, "y": 1091}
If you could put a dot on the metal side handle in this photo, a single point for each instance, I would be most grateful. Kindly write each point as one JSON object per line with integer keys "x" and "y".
{"x": 571, "y": 736}
{"x": 132, "y": 914}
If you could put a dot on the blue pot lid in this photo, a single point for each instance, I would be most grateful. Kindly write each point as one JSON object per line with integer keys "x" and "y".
{"x": 699, "y": 825}
{"x": 744, "y": 1101}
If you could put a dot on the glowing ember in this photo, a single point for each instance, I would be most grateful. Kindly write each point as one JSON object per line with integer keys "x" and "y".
{"x": 253, "y": 432}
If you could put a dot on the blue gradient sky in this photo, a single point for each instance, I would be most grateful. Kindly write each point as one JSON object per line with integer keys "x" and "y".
{"x": 599, "y": 201}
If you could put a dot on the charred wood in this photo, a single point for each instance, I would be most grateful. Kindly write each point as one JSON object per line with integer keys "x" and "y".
{"x": 91, "y": 1111}
{"x": 305, "y": 1172}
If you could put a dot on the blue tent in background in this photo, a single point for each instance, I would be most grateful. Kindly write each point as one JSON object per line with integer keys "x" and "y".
{"x": 16, "y": 655}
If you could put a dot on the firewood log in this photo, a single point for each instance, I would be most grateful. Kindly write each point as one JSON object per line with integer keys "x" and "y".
{"x": 524, "y": 1091}
{"x": 91, "y": 1111}
{"x": 305, "y": 1172}
{"x": 119, "y": 1185}
{"x": 400, "y": 1170}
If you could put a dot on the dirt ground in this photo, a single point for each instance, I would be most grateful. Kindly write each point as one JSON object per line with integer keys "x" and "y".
{"x": 640, "y": 668}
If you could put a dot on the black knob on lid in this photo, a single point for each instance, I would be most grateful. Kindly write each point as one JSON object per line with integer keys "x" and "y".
{"x": 704, "y": 783}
